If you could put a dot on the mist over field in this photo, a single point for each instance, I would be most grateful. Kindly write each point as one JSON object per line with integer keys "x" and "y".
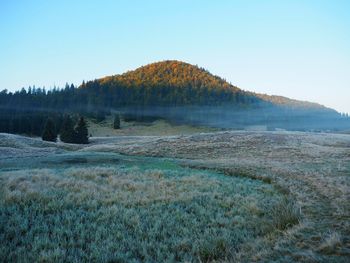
{"x": 233, "y": 117}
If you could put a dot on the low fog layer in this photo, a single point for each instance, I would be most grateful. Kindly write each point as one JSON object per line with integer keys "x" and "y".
{"x": 231, "y": 117}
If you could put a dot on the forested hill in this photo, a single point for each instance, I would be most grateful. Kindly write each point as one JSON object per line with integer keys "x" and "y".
{"x": 172, "y": 90}
{"x": 172, "y": 82}
{"x": 170, "y": 73}
{"x": 168, "y": 83}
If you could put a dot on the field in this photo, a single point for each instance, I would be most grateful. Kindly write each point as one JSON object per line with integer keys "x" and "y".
{"x": 196, "y": 197}
{"x": 132, "y": 128}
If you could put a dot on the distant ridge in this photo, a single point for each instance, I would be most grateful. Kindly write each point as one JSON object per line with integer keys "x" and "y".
{"x": 281, "y": 100}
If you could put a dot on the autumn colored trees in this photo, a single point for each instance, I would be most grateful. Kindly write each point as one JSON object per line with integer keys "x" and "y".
{"x": 167, "y": 83}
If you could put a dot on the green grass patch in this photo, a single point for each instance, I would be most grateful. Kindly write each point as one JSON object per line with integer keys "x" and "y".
{"x": 143, "y": 210}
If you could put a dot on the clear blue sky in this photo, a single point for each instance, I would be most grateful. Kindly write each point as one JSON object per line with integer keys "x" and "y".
{"x": 299, "y": 49}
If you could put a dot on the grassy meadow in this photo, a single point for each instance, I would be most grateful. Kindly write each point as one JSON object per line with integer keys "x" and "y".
{"x": 142, "y": 210}
{"x": 208, "y": 197}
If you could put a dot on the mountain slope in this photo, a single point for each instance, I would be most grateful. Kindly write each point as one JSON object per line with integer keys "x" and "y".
{"x": 171, "y": 73}
{"x": 179, "y": 83}
{"x": 284, "y": 101}
{"x": 168, "y": 83}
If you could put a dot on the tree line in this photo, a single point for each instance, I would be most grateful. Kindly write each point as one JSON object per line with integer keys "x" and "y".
{"x": 26, "y": 111}
{"x": 168, "y": 84}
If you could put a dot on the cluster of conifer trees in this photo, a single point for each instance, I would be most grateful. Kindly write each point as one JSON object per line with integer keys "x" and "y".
{"x": 26, "y": 111}
{"x": 69, "y": 132}
{"x": 65, "y": 128}
{"x": 74, "y": 133}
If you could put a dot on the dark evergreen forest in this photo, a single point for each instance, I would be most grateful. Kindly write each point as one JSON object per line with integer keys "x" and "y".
{"x": 172, "y": 90}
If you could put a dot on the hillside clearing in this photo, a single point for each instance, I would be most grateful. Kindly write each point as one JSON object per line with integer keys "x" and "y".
{"x": 132, "y": 128}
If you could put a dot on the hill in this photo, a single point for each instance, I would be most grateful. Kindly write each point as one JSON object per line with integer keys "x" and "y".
{"x": 167, "y": 83}
{"x": 185, "y": 93}
{"x": 176, "y": 91}
{"x": 174, "y": 82}
{"x": 170, "y": 73}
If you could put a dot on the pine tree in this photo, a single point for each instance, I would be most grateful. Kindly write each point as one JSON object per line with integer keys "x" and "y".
{"x": 49, "y": 133}
{"x": 67, "y": 133}
{"x": 81, "y": 132}
{"x": 116, "y": 122}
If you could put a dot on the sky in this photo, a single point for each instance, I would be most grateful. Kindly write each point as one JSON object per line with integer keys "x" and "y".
{"x": 299, "y": 49}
